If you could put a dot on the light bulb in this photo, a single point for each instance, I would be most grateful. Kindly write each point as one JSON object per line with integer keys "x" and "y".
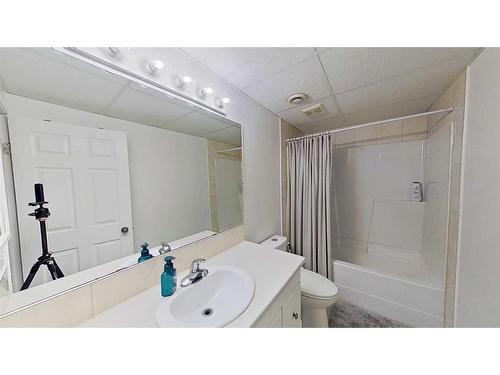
{"x": 181, "y": 81}
{"x": 203, "y": 92}
{"x": 154, "y": 66}
{"x": 226, "y": 100}
{"x": 113, "y": 51}
{"x": 219, "y": 103}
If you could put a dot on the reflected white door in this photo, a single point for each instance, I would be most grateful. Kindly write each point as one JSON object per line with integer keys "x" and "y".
{"x": 5, "y": 270}
{"x": 85, "y": 175}
{"x": 228, "y": 182}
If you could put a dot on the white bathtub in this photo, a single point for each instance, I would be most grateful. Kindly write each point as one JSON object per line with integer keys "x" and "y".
{"x": 396, "y": 285}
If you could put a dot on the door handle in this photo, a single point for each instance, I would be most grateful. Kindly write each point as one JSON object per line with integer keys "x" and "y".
{"x": 295, "y": 315}
{"x": 124, "y": 230}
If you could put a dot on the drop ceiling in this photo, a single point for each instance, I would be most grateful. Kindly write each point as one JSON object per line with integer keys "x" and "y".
{"x": 46, "y": 75}
{"x": 355, "y": 85}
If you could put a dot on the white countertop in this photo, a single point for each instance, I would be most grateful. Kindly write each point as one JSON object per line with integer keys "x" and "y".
{"x": 271, "y": 270}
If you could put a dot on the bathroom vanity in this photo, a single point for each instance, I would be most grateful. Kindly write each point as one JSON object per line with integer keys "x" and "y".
{"x": 275, "y": 301}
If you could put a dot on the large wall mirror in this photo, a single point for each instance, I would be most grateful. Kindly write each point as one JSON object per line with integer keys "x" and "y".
{"x": 121, "y": 164}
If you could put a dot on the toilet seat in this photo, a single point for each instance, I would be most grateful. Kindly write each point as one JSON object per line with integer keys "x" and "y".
{"x": 316, "y": 286}
{"x": 309, "y": 303}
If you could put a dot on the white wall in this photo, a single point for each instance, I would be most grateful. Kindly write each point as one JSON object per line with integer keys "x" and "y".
{"x": 261, "y": 142}
{"x": 478, "y": 282}
{"x": 261, "y": 168}
{"x": 168, "y": 171}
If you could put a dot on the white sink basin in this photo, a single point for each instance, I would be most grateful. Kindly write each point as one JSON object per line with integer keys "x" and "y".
{"x": 214, "y": 301}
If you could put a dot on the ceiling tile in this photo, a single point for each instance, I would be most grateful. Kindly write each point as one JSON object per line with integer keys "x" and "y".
{"x": 143, "y": 108}
{"x": 429, "y": 81}
{"x": 322, "y": 125}
{"x": 196, "y": 124}
{"x": 307, "y": 77}
{"x": 349, "y": 68}
{"x": 34, "y": 76}
{"x": 245, "y": 66}
{"x": 231, "y": 135}
{"x": 296, "y": 117}
{"x": 390, "y": 111}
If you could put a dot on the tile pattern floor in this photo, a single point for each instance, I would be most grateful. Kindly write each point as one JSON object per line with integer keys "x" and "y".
{"x": 346, "y": 315}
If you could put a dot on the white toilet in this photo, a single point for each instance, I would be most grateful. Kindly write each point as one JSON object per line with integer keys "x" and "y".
{"x": 318, "y": 293}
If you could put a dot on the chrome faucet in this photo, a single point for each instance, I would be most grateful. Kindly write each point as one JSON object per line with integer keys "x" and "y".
{"x": 196, "y": 273}
{"x": 165, "y": 248}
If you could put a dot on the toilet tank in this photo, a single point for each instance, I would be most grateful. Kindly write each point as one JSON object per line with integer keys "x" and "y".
{"x": 276, "y": 242}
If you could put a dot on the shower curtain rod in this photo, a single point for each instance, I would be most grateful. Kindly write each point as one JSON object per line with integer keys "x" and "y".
{"x": 338, "y": 130}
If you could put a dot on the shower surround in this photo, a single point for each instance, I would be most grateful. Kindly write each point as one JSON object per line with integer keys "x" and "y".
{"x": 404, "y": 271}
{"x": 390, "y": 252}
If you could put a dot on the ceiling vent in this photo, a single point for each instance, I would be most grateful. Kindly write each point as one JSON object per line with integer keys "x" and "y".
{"x": 297, "y": 99}
{"x": 314, "y": 110}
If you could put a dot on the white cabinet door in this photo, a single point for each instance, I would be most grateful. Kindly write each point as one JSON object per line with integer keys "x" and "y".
{"x": 85, "y": 175}
{"x": 291, "y": 310}
{"x": 277, "y": 321}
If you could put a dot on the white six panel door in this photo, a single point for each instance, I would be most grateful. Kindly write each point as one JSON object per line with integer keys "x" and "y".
{"x": 85, "y": 175}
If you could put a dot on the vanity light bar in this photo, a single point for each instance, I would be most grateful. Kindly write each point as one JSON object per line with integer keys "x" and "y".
{"x": 115, "y": 69}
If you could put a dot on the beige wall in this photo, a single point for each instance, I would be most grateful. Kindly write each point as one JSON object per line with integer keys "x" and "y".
{"x": 453, "y": 96}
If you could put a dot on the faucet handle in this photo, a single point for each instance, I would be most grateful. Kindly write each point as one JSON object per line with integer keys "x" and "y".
{"x": 195, "y": 264}
{"x": 165, "y": 248}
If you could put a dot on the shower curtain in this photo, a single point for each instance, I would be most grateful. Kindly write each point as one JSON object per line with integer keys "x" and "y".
{"x": 309, "y": 166}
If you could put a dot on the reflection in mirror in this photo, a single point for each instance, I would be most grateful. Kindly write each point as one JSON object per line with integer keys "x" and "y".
{"x": 121, "y": 165}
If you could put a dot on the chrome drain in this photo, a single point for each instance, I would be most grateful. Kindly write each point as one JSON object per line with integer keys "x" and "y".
{"x": 207, "y": 312}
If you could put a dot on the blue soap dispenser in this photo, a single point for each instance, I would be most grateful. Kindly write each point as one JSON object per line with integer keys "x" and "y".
{"x": 145, "y": 255}
{"x": 168, "y": 277}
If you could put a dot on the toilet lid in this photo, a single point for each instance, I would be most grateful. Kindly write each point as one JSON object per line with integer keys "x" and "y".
{"x": 314, "y": 285}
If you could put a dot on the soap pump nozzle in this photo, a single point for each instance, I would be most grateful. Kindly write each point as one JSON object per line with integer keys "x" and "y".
{"x": 145, "y": 255}
{"x": 168, "y": 262}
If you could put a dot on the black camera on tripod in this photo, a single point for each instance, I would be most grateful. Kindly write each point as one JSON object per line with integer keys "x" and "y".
{"x": 41, "y": 214}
